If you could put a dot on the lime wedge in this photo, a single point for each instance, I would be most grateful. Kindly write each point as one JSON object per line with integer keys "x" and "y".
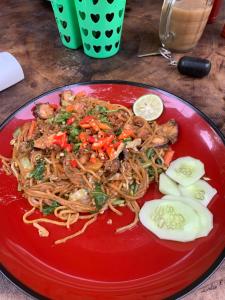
{"x": 149, "y": 107}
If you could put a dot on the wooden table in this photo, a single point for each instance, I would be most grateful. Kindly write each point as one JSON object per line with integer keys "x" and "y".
{"x": 29, "y": 32}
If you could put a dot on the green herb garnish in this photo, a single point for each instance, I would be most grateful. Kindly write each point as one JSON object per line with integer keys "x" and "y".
{"x": 74, "y": 132}
{"x": 150, "y": 153}
{"x": 118, "y": 131}
{"x": 101, "y": 109}
{"x": 129, "y": 139}
{"x": 99, "y": 196}
{"x": 49, "y": 209}
{"x": 151, "y": 172}
{"x": 119, "y": 202}
{"x": 38, "y": 171}
{"x": 158, "y": 161}
{"x": 133, "y": 188}
{"x": 62, "y": 117}
{"x": 76, "y": 147}
{"x": 90, "y": 112}
{"x": 104, "y": 119}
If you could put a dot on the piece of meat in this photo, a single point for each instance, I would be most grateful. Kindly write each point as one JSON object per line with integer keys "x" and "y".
{"x": 159, "y": 141}
{"x": 140, "y": 128}
{"x": 111, "y": 167}
{"x": 168, "y": 130}
{"x": 25, "y": 147}
{"x": 118, "y": 119}
{"x": 133, "y": 144}
{"x": 44, "y": 141}
{"x": 143, "y": 132}
{"x": 138, "y": 121}
{"x": 67, "y": 95}
{"x": 43, "y": 111}
{"x": 119, "y": 150}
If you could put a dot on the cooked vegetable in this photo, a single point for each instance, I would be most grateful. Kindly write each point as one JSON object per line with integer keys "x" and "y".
{"x": 205, "y": 216}
{"x": 186, "y": 170}
{"x": 74, "y": 132}
{"x": 133, "y": 188}
{"x": 150, "y": 153}
{"x": 119, "y": 202}
{"x": 118, "y": 132}
{"x": 168, "y": 157}
{"x": 126, "y": 133}
{"x": 62, "y": 117}
{"x": 61, "y": 140}
{"x": 170, "y": 220}
{"x": 80, "y": 195}
{"x": 99, "y": 196}
{"x": 25, "y": 163}
{"x": 201, "y": 191}
{"x": 31, "y": 129}
{"x": 49, "y": 209}
{"x": 167, "y": 186}
{"x": 38, "y": 171}
{"x": 17, "y": 132}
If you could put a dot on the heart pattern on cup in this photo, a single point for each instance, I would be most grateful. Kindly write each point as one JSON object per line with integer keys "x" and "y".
{"x": 60, "y": 8}
{"x": 67, "y": 38}
{"x": 110, "y": 1}
{"x": 64, "y": 24}
{"x": 82, "y": 15}
{"x": 109, "y": 33}
{"x": 120, "y": 13}
{"x": 87, "y": 46}
{"x": 108, "y": 47}
{"x": 96, "y": 34}
{"x": 95, "y": 2}
{"x": 95, "y": 17}
{"x": 109, "y": 17}
{"x": 97, "y": 48}
{"x": 85, "y": 31}
{"x": 118, "y": 29}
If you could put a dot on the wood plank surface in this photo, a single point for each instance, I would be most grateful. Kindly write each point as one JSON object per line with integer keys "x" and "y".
{"x": 29, "y": 32}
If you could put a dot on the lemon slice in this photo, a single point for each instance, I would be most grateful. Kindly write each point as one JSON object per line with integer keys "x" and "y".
{"x": 149, "y": 107}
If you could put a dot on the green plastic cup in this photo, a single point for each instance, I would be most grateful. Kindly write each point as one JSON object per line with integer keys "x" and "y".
{"x": 101, "y": 23}
{"x": 66, "y": 20}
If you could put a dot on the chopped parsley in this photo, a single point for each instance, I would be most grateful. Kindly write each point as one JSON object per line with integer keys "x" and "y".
{"x": 150, "y": 153}
{"x": 62, "y": 117}
{"x": 118, "y": 131}
{"x": 49, "y": 209}
{"x": 99, "y": 196}
{"x": 38, "y": 171}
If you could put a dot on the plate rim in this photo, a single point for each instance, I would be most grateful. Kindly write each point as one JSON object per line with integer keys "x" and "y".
{"x": 195, "y": 284}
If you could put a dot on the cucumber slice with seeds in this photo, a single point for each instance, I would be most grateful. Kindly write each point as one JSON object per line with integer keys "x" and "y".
{"x": 167, "y": 186}
{"x": 201, "y": 191}
{"x": 205, "y": 216}
{"x": 186, "y": 170}
{"x": 170, "y": 220}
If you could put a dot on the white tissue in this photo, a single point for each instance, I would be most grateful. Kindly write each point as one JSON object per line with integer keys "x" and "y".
{"x": 10, "y": 70}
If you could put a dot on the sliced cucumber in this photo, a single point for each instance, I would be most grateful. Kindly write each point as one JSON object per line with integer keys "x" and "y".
{"x": 200, "y": 191}
{"x": 170, "y": 220}
{"x": 205, "y": 216}
{"x": 186, "y": 170}
{"x": 167, "y": 186}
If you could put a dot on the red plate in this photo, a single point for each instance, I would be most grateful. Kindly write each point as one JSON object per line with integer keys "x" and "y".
{"x": 101, "y": 264}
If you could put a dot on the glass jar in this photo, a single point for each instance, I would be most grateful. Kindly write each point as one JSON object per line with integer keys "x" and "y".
{"x": 182, "y": 23}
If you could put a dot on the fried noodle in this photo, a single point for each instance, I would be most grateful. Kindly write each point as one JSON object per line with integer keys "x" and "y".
{"x": 84, "y": 156}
